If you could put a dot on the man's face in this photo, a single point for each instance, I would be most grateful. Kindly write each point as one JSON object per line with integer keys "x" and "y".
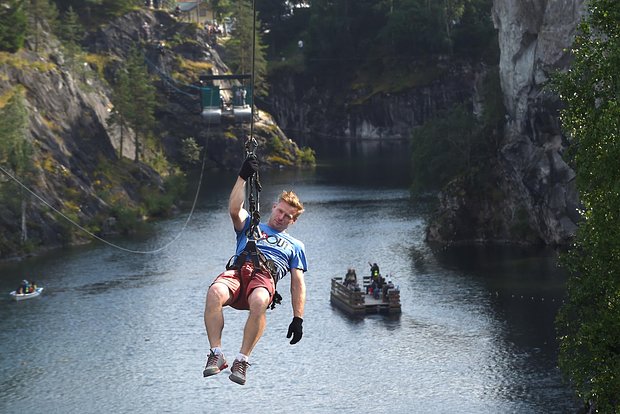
{"x": 282, "y": 216}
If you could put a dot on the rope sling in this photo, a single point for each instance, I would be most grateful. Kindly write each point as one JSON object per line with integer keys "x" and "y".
{"x": 253, "y": 190}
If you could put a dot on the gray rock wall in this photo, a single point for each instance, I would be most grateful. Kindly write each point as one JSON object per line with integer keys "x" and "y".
{"x": 534, "y": 36}
{"x": 530, "y": 196}
{"x": 300, "y": 106}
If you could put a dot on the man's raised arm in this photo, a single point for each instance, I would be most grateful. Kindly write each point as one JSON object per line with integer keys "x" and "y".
{"x": 237, "y": 196}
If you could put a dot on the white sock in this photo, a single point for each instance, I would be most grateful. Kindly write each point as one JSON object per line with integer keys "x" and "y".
{"x": 241, "y": 357}
{"x": 217, "y": 350}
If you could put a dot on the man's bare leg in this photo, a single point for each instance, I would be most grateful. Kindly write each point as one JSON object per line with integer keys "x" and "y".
{"x": 257, "y": 320}
{"x": 252, "y": 332}
{"x": 217, "y": 296}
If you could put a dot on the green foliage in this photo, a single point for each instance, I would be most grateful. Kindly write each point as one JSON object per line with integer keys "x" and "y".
{"x": 473, "y": 35}
{"x": 457, "y": 143}
{"x": 70, "y": 31}
{"x": 123, "y": 105}
{"x": 95, "y": 12}
{"x": 347, "y": 39}
{"x": 221, "y": 8}
{"x": 442, "y": 149}
{"x": 13, "y": 23}
{"x": 589, "y": 322}
{"x": 142, "y": 116}
{"x": 114, "y": 8}
{"x": 341, "y": 36}
{"x": 190, "y": 151}
{"x": 134, "y": 100}
{"x": 275, "y": 145}
{"x": 306, "y": 156}
{"x": 15, "y": 149}
{"x": 43, "y": 16}
{"x": 156, "y": 159}
{"x": 418, "y": 28}
{"x": 282, "y": 26}
{"x": 246, "y": 48}
{"x": 158, "y": 203}
{"x": 128, "y": 219}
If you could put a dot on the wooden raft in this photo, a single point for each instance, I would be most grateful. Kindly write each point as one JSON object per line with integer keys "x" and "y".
{"x": 358, "y": 303}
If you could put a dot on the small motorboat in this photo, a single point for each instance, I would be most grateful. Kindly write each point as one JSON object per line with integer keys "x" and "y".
{"x": 23, "y": 296}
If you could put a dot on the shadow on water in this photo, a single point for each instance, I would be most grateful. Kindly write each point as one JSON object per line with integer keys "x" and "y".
{"x": 509, "y": 269}
{"x": 364, "y": 162}
{"x": 524, "y": 285}
{"x": 390, "y": 322}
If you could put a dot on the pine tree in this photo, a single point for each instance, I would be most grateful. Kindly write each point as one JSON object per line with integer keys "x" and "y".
{"x": 244, "y": 58}
{"x": 13, "y": 22}
{"x": 71, "y": 32}
{"x": 43, "y": 15}
{"x": 122, "y": 101}
{"x": 113, "y": 8}
{"x": 220, "y": 9}
{"x": 141, "y": 114}
{"x": 15, "y": 149}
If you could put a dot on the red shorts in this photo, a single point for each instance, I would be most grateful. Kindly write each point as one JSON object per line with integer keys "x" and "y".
{"x": 241, "y": 283}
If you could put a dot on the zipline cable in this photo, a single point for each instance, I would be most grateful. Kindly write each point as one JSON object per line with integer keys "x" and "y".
{"x": 253, "y": 70}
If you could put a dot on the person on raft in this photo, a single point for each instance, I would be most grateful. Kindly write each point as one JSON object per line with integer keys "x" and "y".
{"x": 252, "y": 274}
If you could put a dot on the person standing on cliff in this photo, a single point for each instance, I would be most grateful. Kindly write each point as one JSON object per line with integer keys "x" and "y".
{"x": 248, "y": 285}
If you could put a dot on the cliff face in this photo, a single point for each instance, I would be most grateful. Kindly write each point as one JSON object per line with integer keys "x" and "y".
{"x": 67, "y": 113}
{"x": 529, "y": 194}
{"x": 539, "y": 200}
{"x": 177, "y": 54}
{"x": 302, "y": 106}
{"x": 534, "y": 37}
{"x": 76, "y": 166}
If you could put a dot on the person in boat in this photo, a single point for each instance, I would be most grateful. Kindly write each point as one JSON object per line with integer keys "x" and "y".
{"x": 374, "y": 271}
{"x": 248, "y": 285}
{"x": 386, "y": 288}
{"x": 350, "y": 279}
{"x": 23, "y": 288}
{"x": 375, "y": 275}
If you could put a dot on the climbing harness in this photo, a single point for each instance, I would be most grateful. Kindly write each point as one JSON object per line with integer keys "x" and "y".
{"x": 253, "y": 193}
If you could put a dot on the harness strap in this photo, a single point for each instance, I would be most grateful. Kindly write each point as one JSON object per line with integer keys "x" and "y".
{"x": 252, "y": 253}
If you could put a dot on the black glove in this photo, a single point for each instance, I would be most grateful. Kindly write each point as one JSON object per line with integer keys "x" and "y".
{"x": 296, "y": 330}
{"x": 249, "y": 167}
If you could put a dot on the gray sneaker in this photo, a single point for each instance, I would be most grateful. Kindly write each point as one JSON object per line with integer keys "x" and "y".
{"x": 238, "y": 372}
{"x": 215, "y": 364}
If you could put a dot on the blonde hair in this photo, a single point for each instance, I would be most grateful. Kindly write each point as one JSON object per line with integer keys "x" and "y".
{"x": 292, "y": 200}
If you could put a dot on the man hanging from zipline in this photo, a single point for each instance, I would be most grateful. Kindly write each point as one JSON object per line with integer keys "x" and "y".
{"x": 264, "y": 254}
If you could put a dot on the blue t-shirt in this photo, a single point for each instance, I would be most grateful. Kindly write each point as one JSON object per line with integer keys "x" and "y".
{"x": 286, "y": 251}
